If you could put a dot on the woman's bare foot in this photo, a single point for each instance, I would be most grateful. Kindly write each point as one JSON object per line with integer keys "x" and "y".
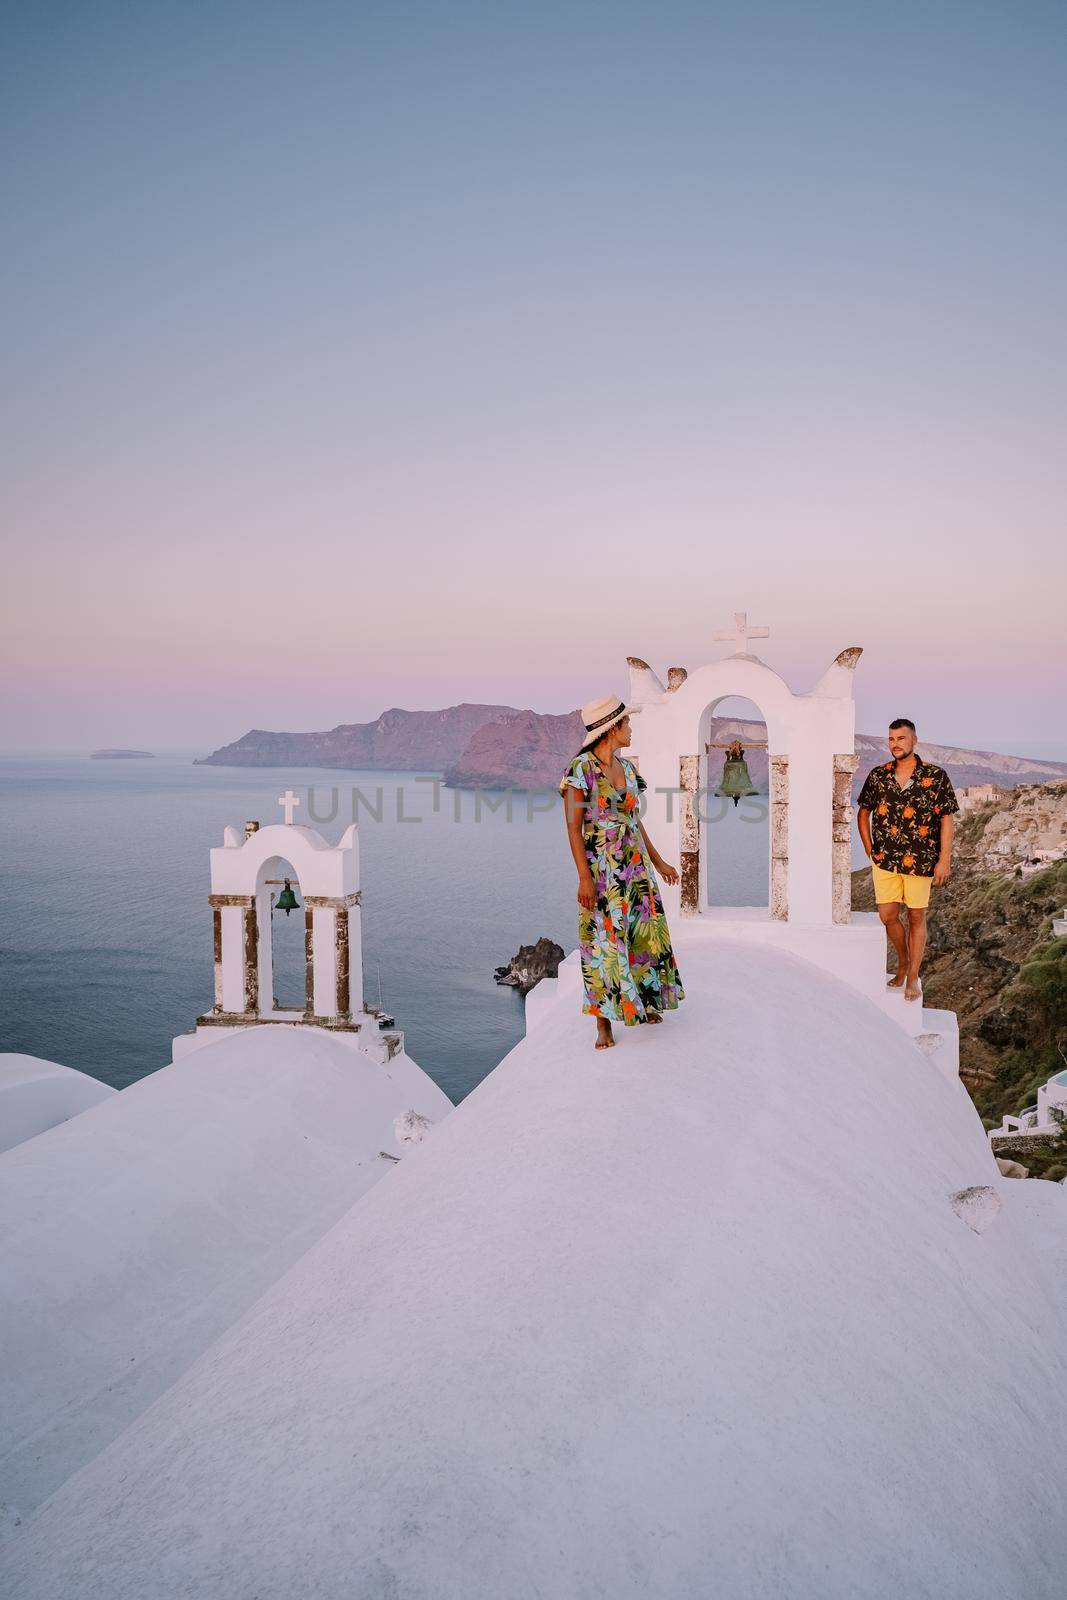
{"x": 899, "y": 981}
{"x": 914, "y": 989}
{"x": 653, "y": 1016}
{"x": 604, "y": 1036}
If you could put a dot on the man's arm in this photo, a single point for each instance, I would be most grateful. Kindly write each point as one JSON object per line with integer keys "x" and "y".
{"x": 864, "y": 800}
{"x": 944, "y": 860}
{"x": 946, "y": 796}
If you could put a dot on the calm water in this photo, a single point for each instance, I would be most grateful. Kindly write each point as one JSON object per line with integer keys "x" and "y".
{"x": 105, "y": 930}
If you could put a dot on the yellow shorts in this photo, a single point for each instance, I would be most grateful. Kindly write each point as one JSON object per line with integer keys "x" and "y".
{"x": 890, "y": 886}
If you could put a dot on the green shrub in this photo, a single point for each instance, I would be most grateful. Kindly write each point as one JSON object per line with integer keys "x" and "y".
{"x": 1048, "y": 1161}
{"x": 1044, "y": 979}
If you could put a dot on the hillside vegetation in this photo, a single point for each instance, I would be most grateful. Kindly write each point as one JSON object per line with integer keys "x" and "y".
{"x": 992, "y": 956}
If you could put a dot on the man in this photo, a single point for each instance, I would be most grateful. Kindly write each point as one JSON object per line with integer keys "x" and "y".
{"x": 909, "y": 804}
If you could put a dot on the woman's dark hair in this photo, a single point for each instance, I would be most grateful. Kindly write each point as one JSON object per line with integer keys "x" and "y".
{"x": 902, "y": 722}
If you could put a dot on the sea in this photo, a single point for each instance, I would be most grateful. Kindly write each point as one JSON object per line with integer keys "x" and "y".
{"x": 106, "y": 932}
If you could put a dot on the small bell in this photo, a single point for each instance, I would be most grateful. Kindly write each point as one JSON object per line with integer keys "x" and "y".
{"x": 287, "y": 900}
{"x": 735, "y": 779}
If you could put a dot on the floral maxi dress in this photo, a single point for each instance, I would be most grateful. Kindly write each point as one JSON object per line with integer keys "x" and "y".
{"x": 628, "y": 965}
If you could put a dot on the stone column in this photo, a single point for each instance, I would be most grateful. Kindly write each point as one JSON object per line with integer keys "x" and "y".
{"x": 356, "y": 998}
{"x": 844, "y": 767}
{"x": 216, "y": 917}
{"x": 309, "y": 960}
{"x": 236, "y": 944}
{"x": 251, "y": 943}
{"x": 341, "y": 964}
{"x": 778, "y": 771}
{"x": 688, "y": 779}
{"x": 329, "y": 951}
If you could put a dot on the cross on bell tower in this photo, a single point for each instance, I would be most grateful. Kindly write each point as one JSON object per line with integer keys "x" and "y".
{"x": 741, "y": 633}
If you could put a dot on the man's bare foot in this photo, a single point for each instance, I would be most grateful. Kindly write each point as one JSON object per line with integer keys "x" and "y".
{"x": 604, "y": 1036}
{"x": 898, "y": 982}
{"x": 914, "y": 989}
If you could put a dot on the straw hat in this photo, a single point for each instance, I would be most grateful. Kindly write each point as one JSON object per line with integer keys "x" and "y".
{"x": 600, "y": 715}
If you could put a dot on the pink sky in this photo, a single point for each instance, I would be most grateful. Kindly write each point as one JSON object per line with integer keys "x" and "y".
{"x": 190, "y": 655}
{"x": 518, "y": 344}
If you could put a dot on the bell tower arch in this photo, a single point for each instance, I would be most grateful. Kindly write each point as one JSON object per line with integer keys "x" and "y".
{"x": 295, "y": 866}
{"x": 713, "y": 756}
{"x": 811, "y": 751}
{"x": 811, "y": 757}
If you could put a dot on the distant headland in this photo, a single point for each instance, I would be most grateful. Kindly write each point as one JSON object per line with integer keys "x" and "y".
{"x": 500, "y": 747}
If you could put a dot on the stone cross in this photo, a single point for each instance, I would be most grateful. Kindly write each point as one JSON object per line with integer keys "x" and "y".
{"x": 741, "y": 633}
{"x": 289, "y": 800}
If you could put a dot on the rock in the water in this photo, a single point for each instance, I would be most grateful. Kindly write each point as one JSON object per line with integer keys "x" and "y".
{"x": 530, "y": 964}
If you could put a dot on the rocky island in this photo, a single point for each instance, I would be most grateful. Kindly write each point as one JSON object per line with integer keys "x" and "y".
{"x": 529, "y": 964}
{"x": 397, "y": 741}
{"x": 497, "y": 747}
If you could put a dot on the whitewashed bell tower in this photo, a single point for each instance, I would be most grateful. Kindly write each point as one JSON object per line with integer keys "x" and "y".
{"x": 326, "y": 877}
{"x": 811, "y": 757}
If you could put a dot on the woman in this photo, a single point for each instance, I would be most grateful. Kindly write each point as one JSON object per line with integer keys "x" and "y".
{"x": 628, "y": 968}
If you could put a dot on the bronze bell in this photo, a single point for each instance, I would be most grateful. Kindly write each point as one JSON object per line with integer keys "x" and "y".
{"x": 287, "y": 900}
{"x": 736, "y": 782}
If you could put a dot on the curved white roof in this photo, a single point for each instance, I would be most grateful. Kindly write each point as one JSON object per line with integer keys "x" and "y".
{"x": 132, "y": 1236}
{"x": 35, "y": 1095}
{"x": 693, "y": 1316}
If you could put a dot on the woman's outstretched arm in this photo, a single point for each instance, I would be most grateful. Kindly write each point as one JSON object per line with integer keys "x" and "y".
{"x": 664, "y": 868}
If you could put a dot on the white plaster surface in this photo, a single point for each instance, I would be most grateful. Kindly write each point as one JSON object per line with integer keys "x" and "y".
{"x": 808, "y": 728}
{"x": 370, "y": 1040}
{"x": 322, "y": 868}
{"x": 1052, "y": 1098}
{"x": 940, "y": 1040}
{"x": 811, "y": 731}
{"x": 854, "y": 952}
{"x": 132, "y": 1236}
{"x": 233, "y": 974}
{"x": 593, "y": 1339}
{"x": 253, "y": 865}
{"x": 35, "y": 1095}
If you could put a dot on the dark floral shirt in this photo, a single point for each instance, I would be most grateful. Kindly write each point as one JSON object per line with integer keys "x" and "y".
{"x": 906, "y": 823}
